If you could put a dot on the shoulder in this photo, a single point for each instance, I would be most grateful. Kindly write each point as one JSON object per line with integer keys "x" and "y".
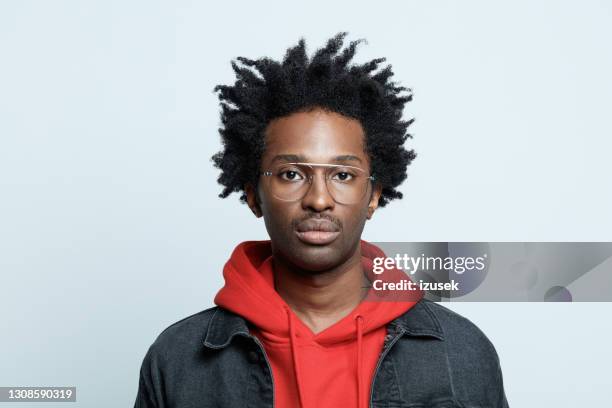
{"x": 466, "y": 347}
{"x": 181, "y": 336}
{"x": 464, "y": 340}
{"x": 473, "y": 362}
{"x": 458, "y": 330}
{"x": 174, "y": 360}
{"x": 465, "y": 354}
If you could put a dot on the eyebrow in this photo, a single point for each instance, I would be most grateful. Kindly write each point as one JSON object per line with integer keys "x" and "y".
{"x": 298, "y": 158}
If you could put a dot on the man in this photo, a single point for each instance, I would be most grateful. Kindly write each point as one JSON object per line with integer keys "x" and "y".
{"x": 315, "y": 146}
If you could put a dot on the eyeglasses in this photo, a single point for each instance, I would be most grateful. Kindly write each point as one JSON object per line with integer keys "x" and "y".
{"x": 291, "y": 181}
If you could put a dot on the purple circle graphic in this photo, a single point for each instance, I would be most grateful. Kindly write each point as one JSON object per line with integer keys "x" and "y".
{"x": 558, "y": 294}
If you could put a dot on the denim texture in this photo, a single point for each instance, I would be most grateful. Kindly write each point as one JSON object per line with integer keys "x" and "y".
{"x": 432, "y": 358}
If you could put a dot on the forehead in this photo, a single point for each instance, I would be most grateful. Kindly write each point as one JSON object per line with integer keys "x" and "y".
{"x": 316, "y": 136}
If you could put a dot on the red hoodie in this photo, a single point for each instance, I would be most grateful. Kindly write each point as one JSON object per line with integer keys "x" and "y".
{"x": 333, "y": 368}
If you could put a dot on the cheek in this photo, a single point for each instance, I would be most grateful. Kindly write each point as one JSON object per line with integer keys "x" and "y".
{"x": 359, "y": 213}
{"x": 358, "y": 219}
{"x": 277, "y": 218}
{"x": 355, "y": 222}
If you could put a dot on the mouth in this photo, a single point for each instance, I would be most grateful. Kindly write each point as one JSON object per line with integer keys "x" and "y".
{"x": 317, "y": 232}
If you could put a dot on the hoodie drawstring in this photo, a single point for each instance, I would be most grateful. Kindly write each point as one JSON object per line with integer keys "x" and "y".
{"x": 359, "y": 324}
{"x": 296, "y": 369}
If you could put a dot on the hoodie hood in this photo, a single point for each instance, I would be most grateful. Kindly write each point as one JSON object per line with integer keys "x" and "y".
{"x": 249, "y": 292}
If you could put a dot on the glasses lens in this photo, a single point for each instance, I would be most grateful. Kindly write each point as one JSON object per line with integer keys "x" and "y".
{"x": 289, "y": 182}
{"x": 347, "y": 185}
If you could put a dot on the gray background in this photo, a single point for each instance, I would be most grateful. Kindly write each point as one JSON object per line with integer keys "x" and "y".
{"x": 110, "y": 225}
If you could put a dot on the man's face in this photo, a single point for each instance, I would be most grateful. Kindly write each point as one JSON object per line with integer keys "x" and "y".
{"x": 316, "y": 136}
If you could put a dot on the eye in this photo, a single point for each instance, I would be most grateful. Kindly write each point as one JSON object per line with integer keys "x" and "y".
{"x": 290, "y": 175}
{"x": 343, "y": 175}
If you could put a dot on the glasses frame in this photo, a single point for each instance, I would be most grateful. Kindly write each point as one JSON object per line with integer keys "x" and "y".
{"x": 310, "y": 177}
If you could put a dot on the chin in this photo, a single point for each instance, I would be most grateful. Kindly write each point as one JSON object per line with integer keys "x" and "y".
{"x": 316, "y": 259}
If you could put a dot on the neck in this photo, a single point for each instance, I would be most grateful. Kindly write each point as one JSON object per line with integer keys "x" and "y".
{"x": 321, "y": 299}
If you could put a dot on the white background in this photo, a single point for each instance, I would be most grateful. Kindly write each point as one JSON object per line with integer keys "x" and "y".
{"x": 110, "y": 224}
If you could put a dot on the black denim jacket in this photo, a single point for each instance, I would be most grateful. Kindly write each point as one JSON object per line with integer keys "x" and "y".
{"x": 431, "y": 358}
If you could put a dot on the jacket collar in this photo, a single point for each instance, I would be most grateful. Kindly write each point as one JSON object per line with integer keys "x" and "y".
{"x": 223, "y": 326}
{"x": 419, "y": 321}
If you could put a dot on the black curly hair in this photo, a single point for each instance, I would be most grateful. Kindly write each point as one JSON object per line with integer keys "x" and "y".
{"x": 266, "y": 89}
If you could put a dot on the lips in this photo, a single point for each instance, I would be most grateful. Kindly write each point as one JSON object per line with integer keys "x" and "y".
{"x": 317, "y": 231}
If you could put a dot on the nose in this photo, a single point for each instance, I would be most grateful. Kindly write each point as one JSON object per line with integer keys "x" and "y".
{"x": 317, "y": 197}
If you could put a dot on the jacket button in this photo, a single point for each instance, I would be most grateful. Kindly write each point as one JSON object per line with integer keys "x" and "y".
{"x": 253, "y": 356}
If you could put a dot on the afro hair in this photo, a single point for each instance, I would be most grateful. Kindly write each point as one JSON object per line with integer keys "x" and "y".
{"x": 266, "y": 89}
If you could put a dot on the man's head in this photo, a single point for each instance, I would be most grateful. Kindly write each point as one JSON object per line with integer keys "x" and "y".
{"x": 317, "y": 111}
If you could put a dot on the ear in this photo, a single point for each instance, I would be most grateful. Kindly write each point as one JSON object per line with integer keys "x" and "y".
{"x": 373, "y": 204}
{"x": 252, "y": 199}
